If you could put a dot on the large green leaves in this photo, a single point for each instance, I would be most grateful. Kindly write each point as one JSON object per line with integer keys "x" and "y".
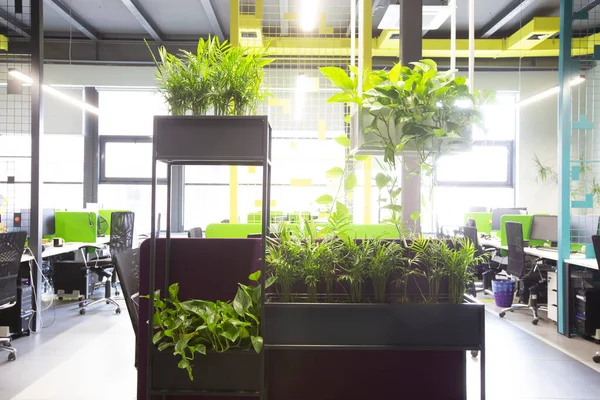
{"x": 350, "y": 182}
{"x": 338, "y": 77}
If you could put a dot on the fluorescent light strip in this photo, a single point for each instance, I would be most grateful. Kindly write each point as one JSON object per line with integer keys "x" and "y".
{"x": 548, "y": 93}
{"x": 56, "y": 93}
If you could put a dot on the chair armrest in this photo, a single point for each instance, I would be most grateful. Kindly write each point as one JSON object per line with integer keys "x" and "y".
{"x": 8, "y": 305}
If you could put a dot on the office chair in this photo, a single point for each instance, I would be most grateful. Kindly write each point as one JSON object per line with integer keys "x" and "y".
{"x": 523, "y": 268}
{"x": 195, "y": 233}
{"x": 11, "y": 250}
{"x": 486, "y": 270}
{"x": 121, "y": 239}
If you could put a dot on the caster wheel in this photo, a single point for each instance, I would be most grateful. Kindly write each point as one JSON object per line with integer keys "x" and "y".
{"x": 60, "y": 298}
{"x": 107, "y": 302}
{"x": 12, "y": 356}
{"x": 82, "y": 311}
{"x": 81, "y": 305}
{"x": 502, "y": 314}
{"x": 596, "y": 358}
{"x": 28, "y": 333}
{"x": 474, "y": 353}
{"x": 535, "y": 321}
{"x": 118, "y": 311}
{"x": 117, "y": 293}
{"x": 8, "y": 344}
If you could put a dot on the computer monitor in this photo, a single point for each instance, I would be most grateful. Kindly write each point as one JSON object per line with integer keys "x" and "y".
{"x": 48, "y": 222}
{"x": 583, "y": 227}
{"x": 497, "y": 214}
{"x": 544, "y": 227}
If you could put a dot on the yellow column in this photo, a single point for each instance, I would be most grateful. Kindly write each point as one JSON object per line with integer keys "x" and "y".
{"x": 234, "y": 37}
{"x": 367, "y": 43}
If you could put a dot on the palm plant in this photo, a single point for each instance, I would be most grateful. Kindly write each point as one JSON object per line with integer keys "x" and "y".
{"x": 355, "y": 258}
{"x": 173, "y": 85}
{"x": 432, "y": 256}
{"x": 283, "y": 257}
{"x": 406, "y": 270}
{"x": 460, "y": 268}
{"x": 385, "y": 259}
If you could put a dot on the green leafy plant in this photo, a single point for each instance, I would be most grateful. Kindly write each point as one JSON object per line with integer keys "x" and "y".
{"x": 227, "y": 78}
{"x": 406, "y": 270}
{"x": 354, "y": 262}
{"x": 385, "y": 259}
{"x": 418, "y": 109}
{"x": 193, "y": 327}
{"x": 283, "y": 260}
{"x": 543, "y": 172}
{"x": 459, "y": 268}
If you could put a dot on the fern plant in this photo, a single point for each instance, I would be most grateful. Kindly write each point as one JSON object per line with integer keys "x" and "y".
{"x": 283, "y": 260}
{"x": 384, "y": 260}
{"x": 355, "y": 259}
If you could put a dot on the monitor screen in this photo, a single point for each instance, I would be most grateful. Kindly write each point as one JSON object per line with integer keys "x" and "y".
{"x": 497, "y": 214}
{"x": 583, "y": 227}
{"x": 48, "y": 222}
{"x": 544, "y": 227}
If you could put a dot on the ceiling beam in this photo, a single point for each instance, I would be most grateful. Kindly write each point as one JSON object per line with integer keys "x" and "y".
{"x": 589, "y": 7}
{"x": 142, "y": 17}
{"x": 212, "y": 18}
{"x": 13, "y": 23}
{"x": 507, "y": 15}
{"x": 79, "y": 23}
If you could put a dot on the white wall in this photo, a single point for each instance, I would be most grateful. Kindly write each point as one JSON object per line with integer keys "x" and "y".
{"x": 537, "y": 134}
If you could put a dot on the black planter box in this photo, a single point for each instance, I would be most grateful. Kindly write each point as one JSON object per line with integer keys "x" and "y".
{"x": 231, "y": 371}
{"x": 402, "y": 326}
{"x": 218, "y": 139}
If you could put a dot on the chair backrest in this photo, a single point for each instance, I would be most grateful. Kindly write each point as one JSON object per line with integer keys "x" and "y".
{"x": 195, "y": 233}
{"x": 471, "y": 234}
{"x": 596, "y": 243}
{"x": 121, "y": 231}
{"x": 516, "y": 251}
{"x": 471, "y": 223}
{"x": 11, "y": 250}
{"x": 128, "y": 270}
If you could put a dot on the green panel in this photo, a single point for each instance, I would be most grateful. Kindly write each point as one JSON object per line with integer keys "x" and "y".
{"x": 107, "y": 214}
{"x": 232, "y": 230}
{"x": 371, "y": 231}
{"x": 79, "y": 226}
{"x": 482, "y": 219}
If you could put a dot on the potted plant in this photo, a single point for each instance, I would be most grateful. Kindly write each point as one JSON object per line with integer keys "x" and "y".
{"x": 217, "y": 343}
{"x": 219, "y": 78}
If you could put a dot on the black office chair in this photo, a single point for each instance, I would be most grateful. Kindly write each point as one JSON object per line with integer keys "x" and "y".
{"x": 127, "y": 264}
{"x": 195, "y": 233}
{"x": 525, "y": 271}
{"x": 11, "y": 250}
{"x": 121, "y": 239}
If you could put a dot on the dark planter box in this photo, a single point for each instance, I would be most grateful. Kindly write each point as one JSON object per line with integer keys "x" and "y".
{"x": 231, "y": 371}
{"x": 408, "y": 326}
{"x": 219, "y": 139}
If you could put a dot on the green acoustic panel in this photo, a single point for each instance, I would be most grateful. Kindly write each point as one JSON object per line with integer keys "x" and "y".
{"x": 575, "y": 173}
{"x": 483, "y": 220}
{"x": 587, "y": 203}
{"x": 76, "y": 226}
{"x": 583, "y": 123}
{"x": 359, "y": 231}
{"x": 107, "y": 214}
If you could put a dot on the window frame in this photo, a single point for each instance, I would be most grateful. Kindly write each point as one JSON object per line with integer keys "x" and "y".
{"x": 103, "y": 141}
{"x": 510, "y": 171}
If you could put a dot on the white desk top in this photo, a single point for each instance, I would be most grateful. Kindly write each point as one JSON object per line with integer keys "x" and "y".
{"x": 67, "y": 247}
{"x": 590, "y": 263}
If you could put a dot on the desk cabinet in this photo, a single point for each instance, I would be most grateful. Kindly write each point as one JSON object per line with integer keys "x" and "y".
{"x": 552, "y": 296}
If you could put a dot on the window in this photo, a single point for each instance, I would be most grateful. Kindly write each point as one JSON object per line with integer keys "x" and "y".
{"x": 129, "y": 112}
{"x": 127, "y": 159}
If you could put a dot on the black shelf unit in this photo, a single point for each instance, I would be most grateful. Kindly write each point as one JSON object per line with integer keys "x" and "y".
{"x": 206, "y": 140}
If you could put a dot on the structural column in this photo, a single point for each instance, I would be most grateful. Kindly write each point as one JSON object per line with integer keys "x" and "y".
{"x": 91, "y": 148}
{"x": 37, "y": 130}
{"x": 411, "y": 49}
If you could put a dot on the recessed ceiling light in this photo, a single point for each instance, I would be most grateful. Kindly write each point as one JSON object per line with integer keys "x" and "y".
{"x": 433, "y": 17}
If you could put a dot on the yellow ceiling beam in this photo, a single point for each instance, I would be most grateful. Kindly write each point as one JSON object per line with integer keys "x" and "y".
{"x": 533, "y": 33}
{"x": 3, "y": 43}
{"x": 519, "y": 44}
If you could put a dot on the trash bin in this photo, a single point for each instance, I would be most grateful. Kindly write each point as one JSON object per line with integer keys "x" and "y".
{"x": 503, "y": 292}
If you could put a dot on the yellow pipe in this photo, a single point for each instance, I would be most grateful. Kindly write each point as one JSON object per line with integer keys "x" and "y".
{"x": 367, "y": 43}
{"x": 234, "y": 29}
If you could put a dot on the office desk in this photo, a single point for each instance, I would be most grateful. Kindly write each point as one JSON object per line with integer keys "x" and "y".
{"x": 65, "y": 248}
